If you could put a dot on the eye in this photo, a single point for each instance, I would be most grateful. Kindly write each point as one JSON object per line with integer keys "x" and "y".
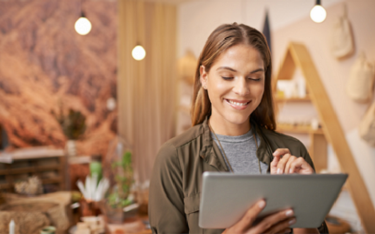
{"x": 227, "y": 77}
{"x": 255, "y": 79}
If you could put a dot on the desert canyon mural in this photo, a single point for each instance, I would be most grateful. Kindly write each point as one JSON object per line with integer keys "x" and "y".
{"x": 45, "y": 63}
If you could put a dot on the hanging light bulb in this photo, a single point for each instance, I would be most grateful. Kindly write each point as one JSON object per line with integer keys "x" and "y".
{"x": 82, "y": 25}
{"x": 318, "y": 14}
{"x": 138, "y": 53}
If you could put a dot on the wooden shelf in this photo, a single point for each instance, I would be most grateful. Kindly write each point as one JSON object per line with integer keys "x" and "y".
{"x": 293, "y": 99}
{"x": 46, "y": 163}
{"x": 35, "y": 169}
{"x": 55, "y": 180}
{"x": 298, "y": 129}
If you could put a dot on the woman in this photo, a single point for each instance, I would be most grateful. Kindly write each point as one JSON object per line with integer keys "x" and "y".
{"x": 233, "y": 130}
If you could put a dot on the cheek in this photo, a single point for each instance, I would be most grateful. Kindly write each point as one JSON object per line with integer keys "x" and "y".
{"x": 217, "y": 88}
{"x": 258, "y": 90}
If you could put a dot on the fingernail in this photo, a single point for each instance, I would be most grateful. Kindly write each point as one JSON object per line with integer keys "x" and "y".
{"x": 290, "y": 171}
{"x": 279, "y": 171}
{"x": 289, "y": 213}
{"x": 262, "y": 204}
{"x": 292, "y": 221}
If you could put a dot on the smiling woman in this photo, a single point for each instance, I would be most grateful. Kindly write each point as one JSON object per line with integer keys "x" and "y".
{"x": 233, "y": 130}
{"x": 235, "y": 86}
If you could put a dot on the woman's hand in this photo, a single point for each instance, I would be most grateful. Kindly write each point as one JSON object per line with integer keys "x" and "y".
{"x": 285, "y": 163}
{"x": 275, "y": 223}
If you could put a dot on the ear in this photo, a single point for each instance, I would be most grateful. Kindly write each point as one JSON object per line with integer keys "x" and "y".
{"x": 203, "y": 76}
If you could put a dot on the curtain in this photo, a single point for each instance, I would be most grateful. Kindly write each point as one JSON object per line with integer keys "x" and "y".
{"x": 147, "y": 89}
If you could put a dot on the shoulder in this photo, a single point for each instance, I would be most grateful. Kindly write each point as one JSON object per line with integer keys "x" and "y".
{"x": 186, "y": 137}
{"x": 168, "y": 151}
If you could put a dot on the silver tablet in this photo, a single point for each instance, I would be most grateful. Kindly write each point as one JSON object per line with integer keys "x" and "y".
{"x": 226, "y": 196}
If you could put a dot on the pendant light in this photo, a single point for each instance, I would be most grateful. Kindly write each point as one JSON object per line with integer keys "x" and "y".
{"x": 82, "y": 25}
{"x": 318, "y": 14}
{"x": 138, "y": 52}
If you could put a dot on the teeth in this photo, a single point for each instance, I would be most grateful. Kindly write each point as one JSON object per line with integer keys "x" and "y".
{"x": 237, "y": 103}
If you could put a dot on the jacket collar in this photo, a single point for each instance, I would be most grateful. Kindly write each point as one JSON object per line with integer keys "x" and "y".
{"x": 211, "y": 153}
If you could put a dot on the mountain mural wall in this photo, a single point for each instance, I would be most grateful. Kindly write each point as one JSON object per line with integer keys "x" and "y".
{"x": 44, "y": 62}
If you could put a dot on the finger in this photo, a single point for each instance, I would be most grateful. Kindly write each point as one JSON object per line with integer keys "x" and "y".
{"x": 277, "y": 156}
{"x": 296, "y": 165}
{"x": 282, "y": 226}
{"x": 274, "y": 163}
{"x": 249, "y": 217}
{"x": 280, "y": 152}
{"x": 269, "y": 222}
{"x": 301, "y": 166}
{"x": 287, "y": 169}
{"x": 282, "y": 163}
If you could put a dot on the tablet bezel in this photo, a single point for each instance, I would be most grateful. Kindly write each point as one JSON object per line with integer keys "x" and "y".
{"x": 226, "y": 196}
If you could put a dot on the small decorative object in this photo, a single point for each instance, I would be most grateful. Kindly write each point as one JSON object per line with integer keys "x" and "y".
{"x": 367, "y": 126}
{"x": 90, "y": 225}
{"x": 361, "y": 80}
{"x": 93, "y": 190}
{"x": 11, "y": 227}
{"x": 70, "y": 148}
{"x": 73, "y": 126}
{"x": 314, "y": 123}
{"x": 48, "y": 230}
{"x": 341, "y": 39}
{"x": 33, "y": 186}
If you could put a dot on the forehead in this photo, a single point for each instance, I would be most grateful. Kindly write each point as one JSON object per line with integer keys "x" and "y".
{"x": 240, "y": 57}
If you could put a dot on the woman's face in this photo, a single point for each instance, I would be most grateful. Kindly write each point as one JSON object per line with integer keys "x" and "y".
{"x": 235, "y": 85}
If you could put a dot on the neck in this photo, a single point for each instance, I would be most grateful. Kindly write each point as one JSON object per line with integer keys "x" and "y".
{"x": 229, "y": 129}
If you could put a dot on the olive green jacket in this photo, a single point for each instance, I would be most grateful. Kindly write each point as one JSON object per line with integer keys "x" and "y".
{"x": 176, "y": 181}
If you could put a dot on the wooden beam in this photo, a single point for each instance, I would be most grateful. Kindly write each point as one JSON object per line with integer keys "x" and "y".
{"x": 335, "y": 135}
{"x": 318, "y": 151}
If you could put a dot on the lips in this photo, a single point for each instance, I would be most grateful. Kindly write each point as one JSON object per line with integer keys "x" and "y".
{"x": 238, "y": 104}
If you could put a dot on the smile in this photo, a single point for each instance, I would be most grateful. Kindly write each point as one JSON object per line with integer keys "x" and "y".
{"x": 238, "y": 104}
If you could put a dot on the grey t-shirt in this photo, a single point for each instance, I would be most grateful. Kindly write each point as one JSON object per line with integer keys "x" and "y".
{"x": 241, "y": 152}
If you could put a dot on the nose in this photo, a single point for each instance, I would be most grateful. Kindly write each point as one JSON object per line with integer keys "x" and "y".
{"x": 241, "y": 87}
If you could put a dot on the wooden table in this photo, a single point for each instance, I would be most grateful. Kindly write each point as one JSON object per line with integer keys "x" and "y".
{"x": 134, "y": 225}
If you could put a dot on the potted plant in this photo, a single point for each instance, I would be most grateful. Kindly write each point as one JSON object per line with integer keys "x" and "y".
{"x": 73, "y": 125}
{"x": 120, "y": 195}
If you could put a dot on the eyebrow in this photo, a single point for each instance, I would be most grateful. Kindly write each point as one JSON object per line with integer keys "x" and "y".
{"x": 231, "y": 69}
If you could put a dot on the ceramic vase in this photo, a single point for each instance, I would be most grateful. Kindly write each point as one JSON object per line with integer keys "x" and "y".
{"x": 71, "y": 148}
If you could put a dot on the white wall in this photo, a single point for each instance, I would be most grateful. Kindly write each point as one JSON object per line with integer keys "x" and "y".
{"x": 198, "y": 18}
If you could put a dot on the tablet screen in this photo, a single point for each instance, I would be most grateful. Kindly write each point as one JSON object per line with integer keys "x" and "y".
{"x": 226, "y": 196}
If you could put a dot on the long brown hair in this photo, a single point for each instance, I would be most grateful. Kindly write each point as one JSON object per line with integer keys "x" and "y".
{"x": 222, "y": 38}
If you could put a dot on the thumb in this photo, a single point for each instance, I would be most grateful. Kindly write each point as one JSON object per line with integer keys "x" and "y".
{"x": 250, "y": 216}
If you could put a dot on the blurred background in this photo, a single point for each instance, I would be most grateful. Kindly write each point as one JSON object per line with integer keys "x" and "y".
{"x": 72, "y": 96}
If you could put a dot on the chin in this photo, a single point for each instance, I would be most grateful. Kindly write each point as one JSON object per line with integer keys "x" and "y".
{"x": 239, "y": 120}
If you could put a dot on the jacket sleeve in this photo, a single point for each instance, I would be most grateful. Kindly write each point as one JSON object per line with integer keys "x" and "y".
{"x": 166, "y": 206}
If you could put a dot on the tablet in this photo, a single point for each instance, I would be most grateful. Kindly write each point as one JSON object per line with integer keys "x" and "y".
{"x": 226, "y": 196}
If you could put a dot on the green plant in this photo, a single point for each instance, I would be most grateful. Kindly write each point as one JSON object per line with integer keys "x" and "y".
{"x": 73, "y": 123}
{"x": 119, "y": 197}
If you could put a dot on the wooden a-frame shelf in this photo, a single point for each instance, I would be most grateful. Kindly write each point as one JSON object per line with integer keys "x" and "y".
{"x": 297, "y": 55}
